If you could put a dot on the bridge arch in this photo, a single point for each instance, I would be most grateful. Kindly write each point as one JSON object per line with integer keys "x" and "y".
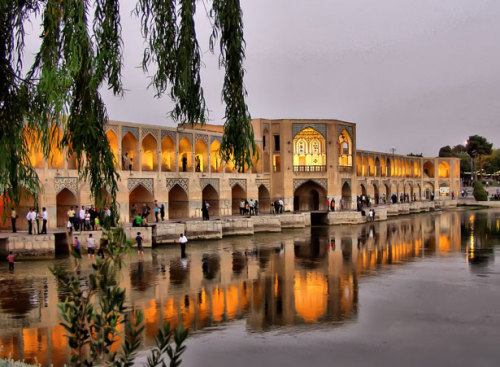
{"x": 178, "y": 204}
{"x": 309, "y": 196}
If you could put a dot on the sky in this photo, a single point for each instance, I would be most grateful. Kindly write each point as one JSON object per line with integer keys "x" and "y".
{"x": 412, "y": 74}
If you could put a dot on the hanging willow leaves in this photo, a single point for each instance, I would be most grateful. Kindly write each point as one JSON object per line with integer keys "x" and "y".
{"x": 16, "y": 173}
{"x": 173, "y": 47}
{"x": 238, "y": 140}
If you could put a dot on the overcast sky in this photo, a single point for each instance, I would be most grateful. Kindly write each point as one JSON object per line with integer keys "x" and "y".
{"x": 413, "y": 74}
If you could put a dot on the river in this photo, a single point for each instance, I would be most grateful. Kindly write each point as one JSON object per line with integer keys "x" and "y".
{"x": 417, "y": 290}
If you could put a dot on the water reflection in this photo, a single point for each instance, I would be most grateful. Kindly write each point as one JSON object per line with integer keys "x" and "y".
{"x": 296, "y": 278}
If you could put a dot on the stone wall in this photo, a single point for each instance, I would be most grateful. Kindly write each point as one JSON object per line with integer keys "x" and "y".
{"x": 28, "y": 246}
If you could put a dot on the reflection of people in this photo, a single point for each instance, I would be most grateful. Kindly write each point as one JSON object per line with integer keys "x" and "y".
{"x": 90, "y": 247}
{"x": 182, "y": 241}
{"x": 76, "y": 246}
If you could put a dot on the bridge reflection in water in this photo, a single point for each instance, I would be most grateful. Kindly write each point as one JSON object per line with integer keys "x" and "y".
{"x": 272, "y": 281}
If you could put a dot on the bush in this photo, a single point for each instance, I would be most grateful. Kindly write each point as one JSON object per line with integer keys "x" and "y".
{"x": 479, "y": 192}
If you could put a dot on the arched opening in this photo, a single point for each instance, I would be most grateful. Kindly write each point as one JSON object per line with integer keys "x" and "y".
{"x": 257, "y": 161}
{"x": 444, "y": 170}
{"x": 309, "y": 152}
{"x": 264, "y": 199}
{"x": 35, "y": 150}
{"x": 362, "y": 190}
{"x": 178, "y": 204}
{"x": 346, "y": 196}
{"x": 371, "y": 166}
{"x": 64, "y": 201}
{"x": 309, "y": 196}
{"x": 56, "y": 158}
{"x": 359, "y": 166}
{"x": 149, "y": 153}
{"x": 185, "y": 155}
{"x": 365, "y": 171}
{"x": 429, "y": 169}
{"x": 200, "y": 156}
{"x": 428, "y": 189}
{"x": 130, "y": 152}
{"x": 167, "y": 154}
{"x": 345, "y": 149}
{"x": 265, "y": 147}
{"x": 416, "y": 169}
{"x": 444, "y": 189}
{"x": 237, "y": 195}
{"x": 383, "y": 167}
{"x": 390, "y": 168}
{"x": 26, "y": 202}
{"x": 376, "y": 196}
{"x": 387, "y": 192}
{"x": 378, "y": 170}
{"x": 210, "y": 195}
{"x": 113, "y": 144}
{"x": 215, "y": 161}
{"x": 140, "y": 196}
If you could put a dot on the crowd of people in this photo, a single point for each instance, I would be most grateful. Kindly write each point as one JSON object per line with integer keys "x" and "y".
{"x": 86, "y": 218}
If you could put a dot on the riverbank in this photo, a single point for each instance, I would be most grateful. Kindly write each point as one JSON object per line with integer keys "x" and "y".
{"x": 156, "y": 234}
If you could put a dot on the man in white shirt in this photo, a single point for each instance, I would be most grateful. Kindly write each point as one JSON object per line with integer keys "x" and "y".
{"x": 81, "y": 215}
{"x": 45, "y": 217}
{"x": 182, "y": 240}
{"x": 29, "y": 218}
{"x": 281, "y": 206}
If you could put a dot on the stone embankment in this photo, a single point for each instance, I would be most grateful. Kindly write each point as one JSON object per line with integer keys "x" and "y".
{"x": 26, "y": 246}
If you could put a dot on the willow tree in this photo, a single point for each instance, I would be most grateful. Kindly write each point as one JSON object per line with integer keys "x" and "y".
{"x": 81, "y": 53}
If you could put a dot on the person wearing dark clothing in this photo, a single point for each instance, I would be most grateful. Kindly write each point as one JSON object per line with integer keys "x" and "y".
{"x": 45, "y": 217}
{"x": 162, "y": 212}
{"x": 13, "y": 218}
{"x": 332, "y": 205}
{"x": 139, "y": 240}
{"x": 184, "y": 164}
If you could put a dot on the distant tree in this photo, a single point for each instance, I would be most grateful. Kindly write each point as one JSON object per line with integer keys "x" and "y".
{"x": 415, "y": 155}
{"x": 460, "y": 148}
{"x": 479, "y": 192}
{"x": 492, "y": 162}
{"x": 445, "y": 152}
{"x": 478, "y": 146}
{"x": 465, "y": 163}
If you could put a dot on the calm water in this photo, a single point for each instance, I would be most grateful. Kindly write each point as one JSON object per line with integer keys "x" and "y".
{"x": 421, "y": 289}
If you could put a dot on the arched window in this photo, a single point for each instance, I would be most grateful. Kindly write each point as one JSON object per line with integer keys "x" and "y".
{"x": 301, "y": 147}
{"x": 315, "y": 147}
{"x": 345, "y": 149}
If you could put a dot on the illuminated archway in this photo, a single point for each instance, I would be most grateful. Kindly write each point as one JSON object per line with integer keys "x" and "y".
{"x": 130, "y": 145}
{"x": 139, "y": 196}
{"x": 444, "y": 170}
{"x": 257, "y": 160}
{"x": 309, "y": 152}
{"x": 237, "y": 195}
{"x": 378, "y": 170}
{"x": 371, "y": 166}
{"x": 265, "y": 147}
{"x": 390, "y": 168}
{"x": 113, "y": 144}
{"x": 178, "y": 203}
{"x": 309, "y": 196}
{"x": 359, "y": 166}
{"x": 264, "y": 200}
{"x": 429, "y": 169}
{"x": 383, "y": 167}
{"x": 64, "y": 200}
{"x": 167, "y": 154}
{"x": 35, "y": 150}
{"x": 56, "y": 156}
{"x": 215, "y": 161}
{"x": 201, "y": 156}
{"x": 210, "y": 195}
{"x": 185, "y": 155}
{"x": 149, "y": 153}
{"x": 365, "y": 170}
{"x": 345, "y": 149}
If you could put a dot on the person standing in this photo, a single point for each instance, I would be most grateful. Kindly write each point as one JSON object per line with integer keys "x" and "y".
{"x": 29, "y": 219}
{"x": 45, "y": 217}
{"x": 36, "y": 220}
{"x": 13, "y": 218}
{"x": 282, "y": 204}
{"x": 242, "y": 207}
{"x": 81, "y": 217}
{"x": 91, "y": 247}
{"x": 76, "y": 247}
{"x": 157, "y": 211}
{"x": 139, "y": 239}
{"x": 182, "y": 241}
{"x": 162, "y": 212}
{"x": 12, "y": 260}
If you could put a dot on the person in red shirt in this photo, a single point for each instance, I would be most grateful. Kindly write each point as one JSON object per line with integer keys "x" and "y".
{"x": 11, "y": 260}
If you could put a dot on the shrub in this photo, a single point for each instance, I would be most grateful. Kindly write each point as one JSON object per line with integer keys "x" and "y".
{"x": 479, "y": 192}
